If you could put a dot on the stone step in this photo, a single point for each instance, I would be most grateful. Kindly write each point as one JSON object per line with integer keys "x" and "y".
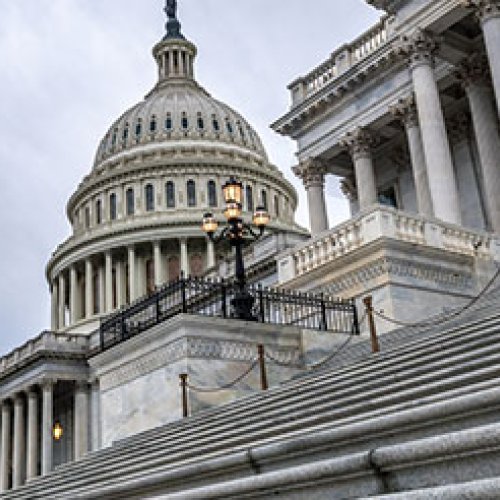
{"x": 410, "y": 465}
{"x": 122, "y": 457}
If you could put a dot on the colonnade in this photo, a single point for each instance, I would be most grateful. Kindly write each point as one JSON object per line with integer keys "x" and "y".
{"x": 428, "y": 142}
{"x": 107, "y": 281}
{"x": 27, "y": 442}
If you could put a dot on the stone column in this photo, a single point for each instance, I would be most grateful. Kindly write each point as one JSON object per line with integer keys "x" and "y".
{"x": 95, "y": 415}
{"x": 210, "y": 254}
{"x": 475, "y": 77}
{"x": 312, "y": 172}
{"x": 472, "y": 210}
{"x": 420, "y": 49}
{"x": 62, "y": 301}
{"x": 406, "y": 111}
{"x": 81, "y": 412}
{"x": 32, "y": 447}
{"x": 184, "y": 257}
{"x": 132, "y": 274}
{"x": 121, "y": 283}
{"x": 158, "y": 264}
{"x": 102, "y": 289}
{"x": 488, "y": 13}
{"x": 18, "y": 452}
{"x": 73, "y": 295}
{"x": 47, "y": 423}
{"x": 54, "y": 306}
{"x": 109, "y": 281}
{"x": 89, "y": 289}
{"x": 360, "y": 143}
{"x": 5, "y": 451}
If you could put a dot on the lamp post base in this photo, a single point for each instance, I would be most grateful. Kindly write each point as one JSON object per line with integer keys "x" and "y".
{"x": 242, "y": 305}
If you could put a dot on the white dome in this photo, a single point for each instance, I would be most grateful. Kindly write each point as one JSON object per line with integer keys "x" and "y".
{"x": 175, "y": 112}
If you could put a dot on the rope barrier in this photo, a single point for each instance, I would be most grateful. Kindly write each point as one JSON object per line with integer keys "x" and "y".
{"x": 226, "y": 386}
{"x": 449, "y": 316}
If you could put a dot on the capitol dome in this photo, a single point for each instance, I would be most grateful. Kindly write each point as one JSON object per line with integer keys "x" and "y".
{"x": 136, "y": 218}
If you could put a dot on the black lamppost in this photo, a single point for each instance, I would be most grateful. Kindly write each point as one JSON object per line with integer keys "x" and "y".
{"x": 237, "y": 232}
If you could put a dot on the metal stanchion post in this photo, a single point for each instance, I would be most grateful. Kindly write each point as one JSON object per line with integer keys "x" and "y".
{"x": 262, "y": 364}
{"x": 184, "y": 382}
{"x": 368, "y": 302}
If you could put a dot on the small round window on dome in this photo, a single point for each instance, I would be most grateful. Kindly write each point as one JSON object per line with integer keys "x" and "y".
{"x": 184, "y": 121}
{"x": 168, "y": 122}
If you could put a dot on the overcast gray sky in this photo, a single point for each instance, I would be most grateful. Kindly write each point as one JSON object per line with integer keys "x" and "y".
{"x": 68, "y": 68}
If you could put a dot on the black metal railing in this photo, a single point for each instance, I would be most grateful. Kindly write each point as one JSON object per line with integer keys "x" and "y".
{"x": 213, "y": 298}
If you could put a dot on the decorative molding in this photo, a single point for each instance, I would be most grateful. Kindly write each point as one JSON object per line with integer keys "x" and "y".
{"x": 192, "y": 347}
{"x": 404, "y": 268}
{"x": 419, "y": 47}
{"x": 312, "y": 172}
{"x": 349, "y": 189}
{"x": 484, "y": 9}
{"x": 405, "y": 110}
{"x": 359, "y": 142}
{"x": 474, "y": 70}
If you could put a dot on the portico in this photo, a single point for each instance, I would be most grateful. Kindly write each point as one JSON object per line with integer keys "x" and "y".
{"x": 410, "y": 80}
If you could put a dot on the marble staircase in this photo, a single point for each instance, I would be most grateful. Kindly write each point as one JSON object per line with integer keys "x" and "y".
{"x": 423, "y": 413}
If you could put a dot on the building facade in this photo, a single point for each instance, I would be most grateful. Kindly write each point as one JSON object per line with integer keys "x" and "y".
{"x": 406, "y": 116}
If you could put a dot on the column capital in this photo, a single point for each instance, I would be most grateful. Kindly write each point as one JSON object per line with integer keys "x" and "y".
{"x": 484, "y": 9}
{"x": 418, "y": 47}
{"x": 359, "y": 142}
{"x": 474, "y": 70}
{"x": 48, "y": 383}
{"x": 81, "y": 385}
{"x": 348, "y": 188}
{"x": 405, "y": 110}
{"x": 311, "y": 171}
{"x": 459, "y": 128}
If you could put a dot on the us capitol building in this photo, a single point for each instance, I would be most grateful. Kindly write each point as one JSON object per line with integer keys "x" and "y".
{"x": 407, "y": 116}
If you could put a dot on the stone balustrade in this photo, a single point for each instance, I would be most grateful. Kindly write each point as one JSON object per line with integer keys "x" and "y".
{"x": 62, "y": 343}
{"x": 340, "y": 61}
{"x": 384, "y": 222}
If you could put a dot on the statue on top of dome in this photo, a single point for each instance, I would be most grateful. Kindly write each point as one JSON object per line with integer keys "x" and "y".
{"x": 173, "y": 25}
{"x": 171, "y": 9}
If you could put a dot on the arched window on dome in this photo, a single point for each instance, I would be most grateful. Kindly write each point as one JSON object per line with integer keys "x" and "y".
{"x": 130, "y": 201}
{"x": 252, "y": 137}
{"x": 191, "y": 193}
{"x": 242, "y": 133}
{"x": 212, "y": 194}
{"x": 184, "y": 121}
{"x": 200, "y": 122}
{"x": 229, "y": 126}
{"x": 215, "y": 124}
{"x": 113, "y": 138}
{"x": 112, "y": 206}
{"x": 138, "y": 129}
{"x": 149, "y": 195}
{"x": 249, "y": 198}
{"x": 152, "y": 125}
{"x": 87, "y": 217}
{"x": 276, "y": 205}
{"x": 125, "y": 132}
{"x": 170, "y": 194}
{"x": 168, "y": 122}
{"x": 98, "y": 211}
{"x": 263, "y": 198}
